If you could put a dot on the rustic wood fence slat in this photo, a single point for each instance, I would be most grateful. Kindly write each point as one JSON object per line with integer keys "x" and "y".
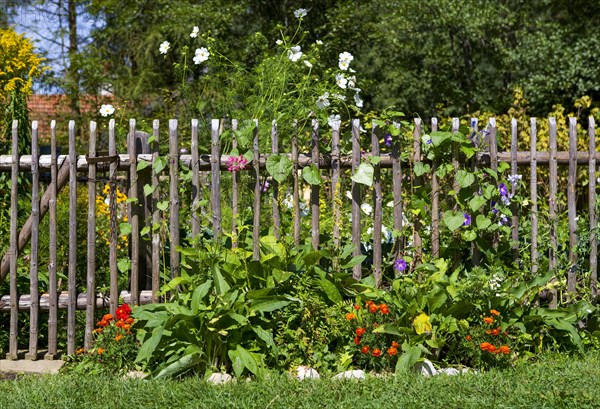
{"x": 418, "y": 181}
{"x": 377, "y": 210}
{"x": 533, "y": 196}
{"x": 435, "y": 202}
{"x": 592, "y": 209}
{"x": 256, "y": 210}
{"x": 356, "y": 199}
{"x": 296, "y": 193}
{"x": 552, "y": 207}
{"x": 336, "y": 199}
{"x": 195, "y": 180}
{"x": 134, "y": 214}
{"x": 572, "y": 274}
{"x": 234, "y": 190}
{"x": 156, "y": 214}
{"x": 397, "y": 193}
{"x": 112, "y": 209}
{"x": 52, "y": 281}
{"x": 315, "y": 189}
{"x": 14, "y": 251}
{"x": 91, "y": 241}
{"x": 72, "y": 272}
{"x": 514, "y": 143}
{"x": 275, "y": 187}
{"x": 33, "y": 269}
{"x": 174, "y": 196}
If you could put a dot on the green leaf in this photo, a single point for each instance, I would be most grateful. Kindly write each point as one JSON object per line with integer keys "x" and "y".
{"x": 266, "y": 336}
{"x": 464, "y": 178}
{"x": 163, "y": 205}
{"x": 124, "y": 265}
{"x": 148, "y": 347}
{"x": 482, "y": 222}
{"x": 236, "y": 363}
{"x": 387, "y": 329}
{"x": 330, "y": 290}
{"x": 364, "y": 174}
{"x": 375, "y": 160}
{"x": 354, "y": 261}
{"x": 469, "y": 235}
{"x": 221, "y": 285}
{"x": 247, "y": 359}
{"x": 145, "y": 230}
{"x": 453, "y": 220}
{"x": 408, "y": 359}
{"x": 178, "y": 367}
{"x": 149, "y": 189}
{"x": 312, "y": 175}
{"x": 437, "y": 138}
{"x": 476, "y": 202}
{"x": 159, "y": 164}
{"x": 421, "y": 168}
{"x": 279, "y": 166}
{"x": 199, "y": 294}
{"x": 142, "y": 164}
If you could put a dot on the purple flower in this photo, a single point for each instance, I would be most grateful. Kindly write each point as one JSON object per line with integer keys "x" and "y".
{"x": 503, "y": 221}
{"x": 514, "y": 179}
{"x": 503, "y": 189}
{"x": 265, "y": 186}
{"x": 467, "y": 219}
{"x": 400, "y": 264}
{"x": 387, "y": 139}
{"x": 429, "y": 141}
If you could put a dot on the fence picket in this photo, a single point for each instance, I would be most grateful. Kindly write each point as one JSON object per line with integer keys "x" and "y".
{"x": 275, "y": 189}
{"x": 156, "y": 214}
{"x": 52, "y": 282}
{"x": 112, "y": 208}
{"x": 357, "y": 269}
{"x": 336, "y": 199}
{"x": 91, "y": 241}
{"x": 195, "y": 180}
{"x": 315, "y": 189}
{"x": 234, "y": 190}
{"x": 256, "y": 223}
{"x": 418, "y": 181}
{"x": 513, "y": 171}
{"x": 378, "y": 209}
{"x": 474, "y": 124}
{"x": 571, "y": 199}
{"x": 552, "y": 208}
{"x": 397, "y": 193}
{"x": 296, "y": 193}
{"x": 533, "y": 196}
{"x": 134, "y": 214}
{"x": 494, "y": 163}
{"x": 435, "y": 202}
{"x": 592, "y": 209}
{"x": 72, "y": 273}
{"x": 33, "y": 269}
{"x": 14, "y": 250}
{"x": 174, "y": 195}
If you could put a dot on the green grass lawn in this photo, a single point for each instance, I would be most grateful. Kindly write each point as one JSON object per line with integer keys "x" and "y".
{"x": 555, "y": 381}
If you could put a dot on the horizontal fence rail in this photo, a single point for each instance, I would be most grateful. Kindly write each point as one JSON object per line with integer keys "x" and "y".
{"x": 151, "y": 203}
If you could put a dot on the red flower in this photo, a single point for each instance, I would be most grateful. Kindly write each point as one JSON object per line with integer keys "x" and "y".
{"x": 395, "y": 344}
{"x": 356, "y": 307}
{"x": 123, "y": 312}
{"x": 495, "y": 332}
{"x": 373, "y": 308}
{"x": 504, "y": 349}
{"x": 376, "y": 352}
{"x": 392, "y": 351}
{"x": 469, "y": 338}
{"x": 360, "y": 332}
{"x": 357, "y": 340}
{"x": 365, "y": 349}
{"x": 488, "y": 320}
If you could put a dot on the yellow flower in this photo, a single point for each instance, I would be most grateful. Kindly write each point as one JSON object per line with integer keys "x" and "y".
{"x": 422, "y": 324}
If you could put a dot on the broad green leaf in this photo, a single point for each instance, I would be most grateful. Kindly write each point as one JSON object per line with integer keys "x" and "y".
{"x": 199, "y": 294}
{"x": 236, "y": 363}
{"x": 354, "y": 261}
{"x": 163, "y": 205}
{"x": 125, "y": 229}
{"x": 159, "y": 164}
{"x": 266, "y": 336}
{"x": 437, "y": 138}
{"x": 312, "y": 175}
{"x": 281, "y": 276}
{"x": 279, "y": 166}
{"x": 482, "y": 222}
{"x": 375, "y": 160}
{"x": 145, "y": 230}
{"x": 476, "y": 202}
{"x": 421, "y": 324}
{"x": 247, "y": 359}
{"x": 148, "y": 347}
{"x": 364, "y": 174}
{"x": 149, "y": 189}
{"x": 124, "y": 265}
{"x": 330, "y": 290}
{"x": 387, "y": 329}
{"x": 178, "y": 367}
{"x": 468, "y": 235}
{"x": 421, "y": 168}
{"x": 221, "y": 285}
{"x": 408, "y": 359}
{"x": 453, "y": 220}
{"x": 269, "y": 304}
{"x": 464, "y": 178}
{"x": 142, "y": 164}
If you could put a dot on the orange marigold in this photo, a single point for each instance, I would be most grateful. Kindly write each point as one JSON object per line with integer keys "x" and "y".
{"x": 118, "y": 337}
{"x": 488, "y": 331}
{"x": 360, "y": 332}
{"x": 504, "y": 349}
{"x": 469, "y": 338}
{"x": 494, "y": 312}
{"x": 376, "y": 352}
{"x": 373, "y": 308}
{"x": 107, "y": 317}
{"x": 484, "y": 346}
{"x": 357, "y": 340}
{"x": 356, "y": 307}
{"x": 492, "y": 349}
{"x": 126, "y": 327}
{"x": 395, "y": 344}
{"x": 488, "y": 320}
{"x": 79, "y": 351}
{"x": 495, "y": 332}
{"x": 350, "y": 316}
{"x": 385, "y": 310}
{"x": 129, "y": 320}
{"x": 100, "y": 351}
{"x": 119, "y": 324}
{"x": 365, "y": 349}
{"x": 368, "y": 303}
{"x": 102, "y": 323}
{"x": 392, "y": 351}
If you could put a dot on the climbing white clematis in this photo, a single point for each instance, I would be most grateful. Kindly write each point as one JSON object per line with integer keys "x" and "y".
{"x": 164, "y": 47}
{"x": 294, "y": 54}
{"x": 201, "y": 55}
{"x": 106, "y": 110}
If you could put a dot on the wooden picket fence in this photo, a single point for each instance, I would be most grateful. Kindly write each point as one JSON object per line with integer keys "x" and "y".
{"x": 142, "y": 208}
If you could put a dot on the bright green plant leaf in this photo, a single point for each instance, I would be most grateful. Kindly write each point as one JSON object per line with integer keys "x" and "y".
{"x": 387, "y": 329}
{"x": 145, "y": 230}
{"x": 330, "y": 290}
{"x": 453, "y": 220}
{"x": 247, "y": 359}
{"x": 476, "y": 202}
{"x": 269, "y": 304}
{"x": 421, "y": 168}
{"x": 236, "y": 363}
{"x": 354, "y": 261}
{"x": 142, "y": 164}
{"x": 163, "y": 205}
{"x": 199, "y": 294}
{"x": 279, "y": 166}
{"x": 312, "y": 175}
{"x": 408, "y": 359}
{"x": 468, "y": 235}
{"x": 124, "y": 265}
{"x": 221, "y": 285}
{"x": 149, "y": 189}
{"x": 482, "y": 222}
{"x": 178, "y": 367}
{"x": 364, "y": 174}
{"x": 159, "y": 164}
{"x": 464, "y": 178}
{"x": 375, "y": 160}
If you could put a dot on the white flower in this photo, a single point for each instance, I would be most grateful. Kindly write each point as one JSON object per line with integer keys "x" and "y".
{"x": 514, "y": 178}
{"x": 390, "y": 204}
{"x": 294, "y": 54}
{"x": 107, "y": 110}
{"x": 339, "y": 96}
{"x": 300, "y": 13}
{"x": 308, "y": 64}
{"x": 279, "y": 42}
{"x": 195, "y": 32}
{"x": 349, "y": 194}
{"x": 164, "y": 47}
{"x": 319, "y": 42}
{"x": 352, "y": 82}
{"x": 367, "y": 208}
{"x": 201, "y": 55}
{"x": 345, "y": 60}
{"x": 323, "y": 101}
{"x": 332, "y": 119}
{"x": 358, "y": 101}
{"x": 341, "y": 81}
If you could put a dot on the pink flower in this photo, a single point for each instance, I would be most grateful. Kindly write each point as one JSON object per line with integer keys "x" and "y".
{"x": 235, "y": 163}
